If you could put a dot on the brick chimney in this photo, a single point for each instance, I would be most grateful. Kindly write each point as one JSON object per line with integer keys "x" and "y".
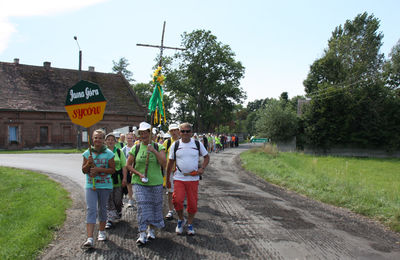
{"x": 91, "y": 68}
{"x": 47, "y": 64}
{"x": 16, "y": 61}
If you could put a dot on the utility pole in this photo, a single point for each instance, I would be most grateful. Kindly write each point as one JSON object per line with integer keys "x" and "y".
{"x": 79, "y": 132}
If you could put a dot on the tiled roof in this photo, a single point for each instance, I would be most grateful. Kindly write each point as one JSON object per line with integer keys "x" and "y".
{"x": 37, "y": 88}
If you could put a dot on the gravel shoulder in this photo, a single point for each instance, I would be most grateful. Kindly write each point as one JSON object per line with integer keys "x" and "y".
{"x": 239, "y": 216}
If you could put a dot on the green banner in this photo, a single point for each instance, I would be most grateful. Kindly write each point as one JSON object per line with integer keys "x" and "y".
{"x": 84, "y": 92}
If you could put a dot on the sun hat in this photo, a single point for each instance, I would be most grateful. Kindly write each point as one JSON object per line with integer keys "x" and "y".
{"x": 173, "y": 126}
{"x": 144, "y": 126}
{"x": 111, "y": 134}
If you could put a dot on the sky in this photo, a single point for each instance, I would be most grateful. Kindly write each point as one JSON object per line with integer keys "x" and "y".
{"x": 276, "y": 41}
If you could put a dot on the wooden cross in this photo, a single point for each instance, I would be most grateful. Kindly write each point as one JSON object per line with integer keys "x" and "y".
{"x": 162, "y": 47}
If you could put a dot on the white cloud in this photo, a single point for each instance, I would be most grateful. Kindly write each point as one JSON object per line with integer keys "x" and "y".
{"x": 26, "y": 8}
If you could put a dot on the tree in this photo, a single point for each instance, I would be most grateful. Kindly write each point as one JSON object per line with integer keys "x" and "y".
{"x": 392, "y": 68}
{"x": 352, "y": 56}
{"x": 122, "y": 67}
{"x": 277, "y": 121}
{"x": 206, "y": 81}
{"x": 144, "y": 92}
{"x": 349, "y": 103}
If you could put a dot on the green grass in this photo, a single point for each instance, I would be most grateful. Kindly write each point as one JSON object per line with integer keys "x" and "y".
{"x": 370, "y": 187}
{"x": 32, "y": 207}
{"x": 45, "y": 151}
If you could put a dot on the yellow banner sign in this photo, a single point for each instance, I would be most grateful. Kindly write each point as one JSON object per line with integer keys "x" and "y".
{"x": 86, "y": 114}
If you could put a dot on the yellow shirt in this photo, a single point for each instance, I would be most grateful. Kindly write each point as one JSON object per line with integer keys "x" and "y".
{"x": 167, "y": 153}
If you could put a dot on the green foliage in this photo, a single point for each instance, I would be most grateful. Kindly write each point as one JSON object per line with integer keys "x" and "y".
{"x": 350, "y": 104}
{"x": 122, "y": 67}
{"x": 205, "y": 83}
{"x": 143, "y": 91}
{"x": 250, "y": 123}
{"x": 352, "y": 54}
{"x": 370, "y": 187}
{"x": 32, "y": 207}
{"x": 391, "y": 68}
{"x": 277, "y": 121}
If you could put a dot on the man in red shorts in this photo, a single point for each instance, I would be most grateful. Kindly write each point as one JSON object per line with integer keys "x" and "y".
{"x": 186, "y": 175}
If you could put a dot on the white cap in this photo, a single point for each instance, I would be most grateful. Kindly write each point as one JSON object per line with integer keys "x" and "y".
{"x": 173, "y": 126}
{"x": 154, "y": 131}
{"x": 144, "y": 126}
{"x": 167, "y": 135}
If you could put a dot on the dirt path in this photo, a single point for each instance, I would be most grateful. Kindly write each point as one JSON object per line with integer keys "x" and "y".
{"x": 240, "y": 217}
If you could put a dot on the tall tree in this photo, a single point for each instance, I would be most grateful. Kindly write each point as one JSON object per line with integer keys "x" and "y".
{"x": 392, "y": 68}
{"x": 349, "y": 103}
{"x": 122, "y": 67}
{"x": 352, "y": 56}
{"x": 206, "y": 81}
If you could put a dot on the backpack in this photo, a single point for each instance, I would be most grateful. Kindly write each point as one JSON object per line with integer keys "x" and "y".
{"x": 169, "y": 142}
{"x": 117, "y": 176}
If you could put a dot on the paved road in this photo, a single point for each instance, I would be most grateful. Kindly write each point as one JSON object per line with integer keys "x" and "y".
{"x": 240, "y": 217}
{"x": 60, "y": 164}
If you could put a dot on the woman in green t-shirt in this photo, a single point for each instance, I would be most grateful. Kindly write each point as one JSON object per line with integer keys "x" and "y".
{"x": 148, "y": 189}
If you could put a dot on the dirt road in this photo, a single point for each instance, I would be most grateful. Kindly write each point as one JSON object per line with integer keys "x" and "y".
{"x": 240, "y": 217}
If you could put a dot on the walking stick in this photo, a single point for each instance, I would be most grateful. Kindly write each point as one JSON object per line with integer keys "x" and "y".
{"x": 90, "y": 151}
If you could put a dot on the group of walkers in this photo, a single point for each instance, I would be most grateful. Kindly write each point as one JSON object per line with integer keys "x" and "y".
{"x": 217, "y": 142}
{"x": 138, "y": 166}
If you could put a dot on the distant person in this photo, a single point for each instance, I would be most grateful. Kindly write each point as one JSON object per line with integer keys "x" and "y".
{"x": 114, "y": 204}
{"x": 98, "y": 165}
{"x": 148, "y": 191}
{"x": 185, "y": 154}
{"x": 121, "y": 141}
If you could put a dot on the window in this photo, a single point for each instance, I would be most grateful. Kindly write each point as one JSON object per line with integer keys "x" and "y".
{"x": 84, "y": 136}
{"x": 13, "y": 134}
{"x": 44, "y": 134}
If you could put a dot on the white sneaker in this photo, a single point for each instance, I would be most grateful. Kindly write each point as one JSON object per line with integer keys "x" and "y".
{"x": 130, "y": 203}
{"x": 170, "y": 215}
{"x": 102, "y": 236}
{"x": 142, "y": 238}
{"x": 190, "y": 230}
{"x": 89, "y": 243}
{"x": 150, "y": 234}
{"x": 179, "y": 226}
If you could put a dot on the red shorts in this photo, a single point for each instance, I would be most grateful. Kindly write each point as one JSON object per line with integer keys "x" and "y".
{"x": 183, "y": 189}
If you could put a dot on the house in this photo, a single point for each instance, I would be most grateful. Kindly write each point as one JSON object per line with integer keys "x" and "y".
{"x": 32, "y": 100}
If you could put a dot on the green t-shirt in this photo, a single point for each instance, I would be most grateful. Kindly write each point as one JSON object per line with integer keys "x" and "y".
{"x": 154, "y": 171}
{"x": 119, "y": 161}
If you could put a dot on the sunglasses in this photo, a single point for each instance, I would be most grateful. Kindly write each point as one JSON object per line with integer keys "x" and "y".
{"x": 186, "y": 131}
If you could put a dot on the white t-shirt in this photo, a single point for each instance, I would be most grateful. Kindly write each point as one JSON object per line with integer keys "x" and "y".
{"x": 126, "y": 151}
{"x": 187, "y": 159}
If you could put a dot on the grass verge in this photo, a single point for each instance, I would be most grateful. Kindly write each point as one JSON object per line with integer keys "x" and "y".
{"x": 370, "y": 187}
{"x": 32, "y": 207}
